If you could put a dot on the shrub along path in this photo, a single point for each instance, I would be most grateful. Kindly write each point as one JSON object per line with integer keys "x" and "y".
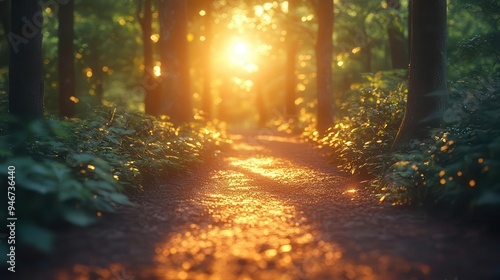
{"x": 272, "y": 208}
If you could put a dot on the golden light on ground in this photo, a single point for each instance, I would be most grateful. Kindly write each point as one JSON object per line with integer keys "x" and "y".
{"x": 252, "y": 234}
{"x": 277, "y": 169}
{"x": 235, "y": 227}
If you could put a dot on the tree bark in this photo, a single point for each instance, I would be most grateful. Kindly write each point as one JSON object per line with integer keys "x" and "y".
{"x": 66, "y": 67}
{"x": 206, "y": 101}
{"x": 150, "y": 82}
{"x": 26, "y": 66}
{"x": 397, "y": 44}
{"x": 5, "y": 8}
{"x": 427, "y": 93}
{"x": 324, "y": 49}
{"x": 291, "y": 53}
{"x": 260, "y": 103}
{"x": 174, "y": 58}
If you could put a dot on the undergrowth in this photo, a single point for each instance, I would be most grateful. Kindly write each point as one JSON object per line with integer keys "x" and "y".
{"x": 456, "y": 167}
{"x": 73, "y": 171}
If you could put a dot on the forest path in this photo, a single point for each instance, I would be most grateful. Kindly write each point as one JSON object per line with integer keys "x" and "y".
{"x": 272, "y": 208}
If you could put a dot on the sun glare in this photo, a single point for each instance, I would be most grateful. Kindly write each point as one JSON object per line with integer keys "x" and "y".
{"x": 239, "y": 51}
{"x": 240, "y": 48}
{"x": 242, "y": 55}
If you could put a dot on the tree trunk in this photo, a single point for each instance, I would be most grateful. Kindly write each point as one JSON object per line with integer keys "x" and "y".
{"x": 175, "y": 90}
{"x": 225, "y": 91}
{"x": 5, "y": 8}
{"x": 291, "y": 53}
{"x": 26, "y": 61}
{"x": 150, "y": 83}
{"x": 260, "y": 103}
{"x": 324, "y": 49}
{"x": 427, "y": 93}
{"x": 206, "y": 105}
{"x": 67, "y": 87}
{"x": 397, "y": 44}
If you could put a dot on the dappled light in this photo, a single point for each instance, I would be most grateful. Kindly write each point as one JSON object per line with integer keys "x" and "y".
{"x": 277, "y": 169}
{"x": 265, "y": 238}
{"x": 255, "y": 139}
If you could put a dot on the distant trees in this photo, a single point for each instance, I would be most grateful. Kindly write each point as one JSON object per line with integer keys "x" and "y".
{"x": 427, "y": 93}
{"x": 175, "y": 89}
{"x": 66, "y": 65}
{"x": 26, "y": 86}
{"x": 324, "y": 50}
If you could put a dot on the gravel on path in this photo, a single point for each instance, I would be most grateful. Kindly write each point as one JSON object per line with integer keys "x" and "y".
{"x": 272, "y": 208}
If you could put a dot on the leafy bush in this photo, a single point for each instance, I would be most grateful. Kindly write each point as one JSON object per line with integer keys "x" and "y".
{"x": 73, "y": 171}
{"x": 372, "y": 115}
{"x": 455, "y": 167}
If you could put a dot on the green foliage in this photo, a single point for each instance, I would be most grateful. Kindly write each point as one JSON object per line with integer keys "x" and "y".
{"x": 373, "y": 112}
{"x": 458, "y": 167}
{"x": 475, "y": 45}
{"x": 73, "y": 171}
{"x": 455, "y": 167}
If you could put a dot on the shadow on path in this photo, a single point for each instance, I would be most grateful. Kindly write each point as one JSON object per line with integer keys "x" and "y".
{"x": 270, "y": 209}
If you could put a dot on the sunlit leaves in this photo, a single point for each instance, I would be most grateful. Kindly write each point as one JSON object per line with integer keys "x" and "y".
{"x": 74, "y": 171}
{"x": 374, "y": 110}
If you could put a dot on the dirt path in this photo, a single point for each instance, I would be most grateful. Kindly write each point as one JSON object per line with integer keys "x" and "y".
{"x": 271, "y": 209}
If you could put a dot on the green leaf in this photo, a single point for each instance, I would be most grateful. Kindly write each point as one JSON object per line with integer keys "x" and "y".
{"x": 71, "y": 189}
{"x": 120, "y": 198}
{"x": 100, "y": 185}
{"x": 36, "y": 236}
{"x": 78, "y": 217}
{"x": 74, "y": 160}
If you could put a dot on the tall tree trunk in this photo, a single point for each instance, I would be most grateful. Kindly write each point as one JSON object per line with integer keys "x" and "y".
{"x": 291, "y": 53}
{"x": 324, "y": 49}
{"x": 66, "y": 59}
{"x": 206, "y": 100}
{"x": 409, "y": 25}
{"x": 291, "y": 81}
{"x": 150, "y": 83}
{"x": 260, "y": 103}
{"x": 175, "y": 61}
{"x": 26, "y": 66}
{"x": 5, "y": 8}
{"x": 396, "y": 37}
{"x": 225, "y": 91}
{"x": 427, "y": 93}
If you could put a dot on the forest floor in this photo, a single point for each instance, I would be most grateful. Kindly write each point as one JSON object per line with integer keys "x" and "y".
{"x": 271, "y": 208}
